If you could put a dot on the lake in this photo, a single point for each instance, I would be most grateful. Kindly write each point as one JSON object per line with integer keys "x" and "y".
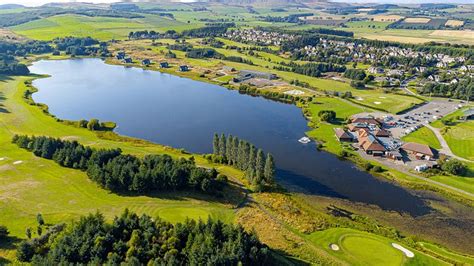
{"x": 185, "y": 113}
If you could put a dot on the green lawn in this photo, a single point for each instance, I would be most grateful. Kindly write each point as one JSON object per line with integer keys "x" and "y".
{"x": 361, "y": 248}
{"x": 30, "y": 185}
{"x": 423, "y": 135}
{"x": 459, "y": 259}
{"x": 325, "y": 131}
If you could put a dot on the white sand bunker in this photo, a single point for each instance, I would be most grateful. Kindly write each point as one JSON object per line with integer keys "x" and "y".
{"x": 377, "y": 102}
{"x": 359, "y": 99}
{"x": 383, "y": 97}
{"x": 294, "y": 92}
{"x": 17, "y": 162}
{"x": 2, "y": 158}
{"x": 334, "y": 247}
{"x": 407, "y": 252}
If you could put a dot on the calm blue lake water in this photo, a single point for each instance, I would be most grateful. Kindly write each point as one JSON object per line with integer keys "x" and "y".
{"x": 184, "y": 113}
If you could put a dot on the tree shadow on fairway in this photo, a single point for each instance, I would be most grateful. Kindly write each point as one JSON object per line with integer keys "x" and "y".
{"x": 4, "y": 78}
{"x": 232, "y": 193}
{"x": 2, "y": 107}
{"x": 9, "y": 243}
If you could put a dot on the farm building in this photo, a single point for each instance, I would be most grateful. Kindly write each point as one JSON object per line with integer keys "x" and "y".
{"x": 343, "y": 136}
{"x": 468, "y": 114}
{"x": 164, "y": 65}
{"x": 183, "y": 68}
{"x": 248, "y": 74}
{"x": 146, "y": 62}
{"x": 420, "y": 151}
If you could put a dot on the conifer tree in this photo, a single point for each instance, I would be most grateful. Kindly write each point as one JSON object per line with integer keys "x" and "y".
{"x": 215, "y": 144}
{"x": 259, "y": 166}
{"x": 228, "y": 149}
{"x": 269, "y": 170}
{"x": 235, "y": 150}
{"x": 222, "y": 145}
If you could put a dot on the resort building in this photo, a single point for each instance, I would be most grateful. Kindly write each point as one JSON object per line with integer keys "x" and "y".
{"x": 370, "y": 144}
{"x": 343, "y": 136}
{"x": 419, "y": 151}
{"x": 248, "y": 74}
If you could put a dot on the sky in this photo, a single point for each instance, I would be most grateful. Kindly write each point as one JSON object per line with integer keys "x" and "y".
{"x": 42, "y": 2}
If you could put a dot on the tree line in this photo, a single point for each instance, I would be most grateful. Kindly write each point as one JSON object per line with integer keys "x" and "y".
{"x": 463, "y": 89}
{"x": 259, "y": 168}
{"x": 76, "y": 46}
{"x": 122, "y": 173}
{"x": 8, "y": 50}
{"x": 310, "y": 69}
{"x": 141, "y": 240}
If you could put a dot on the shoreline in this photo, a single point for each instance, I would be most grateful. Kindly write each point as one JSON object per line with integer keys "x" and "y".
{"x": 389, "y": 175}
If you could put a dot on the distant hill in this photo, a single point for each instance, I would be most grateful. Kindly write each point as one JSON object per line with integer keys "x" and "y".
{"x": 10, "y": 6}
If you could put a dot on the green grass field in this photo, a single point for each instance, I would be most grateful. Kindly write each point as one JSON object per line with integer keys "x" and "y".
{"x": 102, "y": 28}
{"x": 424, "y": 136}
{"x": 361, "y": 248}
{"x": 30, "y": 185}
{"x": 459, "y": 135}
{"x": 325, "y": 131}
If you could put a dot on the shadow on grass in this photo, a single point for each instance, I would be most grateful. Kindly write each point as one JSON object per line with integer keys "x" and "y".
{"x": 4, "y": 78}
{"x": 283, "y": 258}
{"x": 9, "y": 243}
{"x": 232, "y": 193}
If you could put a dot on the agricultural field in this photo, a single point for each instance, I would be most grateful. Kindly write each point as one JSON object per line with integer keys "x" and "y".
{"x": 97, "y": 27}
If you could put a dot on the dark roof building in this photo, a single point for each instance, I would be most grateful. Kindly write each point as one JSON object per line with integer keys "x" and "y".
{"x": 120, "y": 55}
{"x": 421, "y": 151}
{"x": 127, "y": 60}
{"x": 183, "y": 68}
{"x": 367, "y": 120}
{"x": 164, "y": 64}
{"x": 247, "y": 74}
{"x": 146, "y": 62}
{"x": 343, "y": 135}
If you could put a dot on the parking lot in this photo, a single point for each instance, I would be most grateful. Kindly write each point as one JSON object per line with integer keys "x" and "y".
{"x": 403, "y": 124}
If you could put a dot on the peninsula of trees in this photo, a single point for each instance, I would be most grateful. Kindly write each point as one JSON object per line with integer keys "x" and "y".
{"x": 120, "y": 173}
{"x": 259, "y": 168}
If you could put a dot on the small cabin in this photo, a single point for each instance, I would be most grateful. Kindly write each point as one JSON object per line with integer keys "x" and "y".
{"x": 127, "y": 60}
{"x": 164, "y": 65}
{"x": 183, "y": 68}
{"x": 146, "y": 62}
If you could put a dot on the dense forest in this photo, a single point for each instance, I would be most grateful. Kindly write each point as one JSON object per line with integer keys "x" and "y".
{"x": 142, "y": 240}
{"x": 124, "y": 173}
{"x": 75, "y": 46}
{"x": 464, "y": 89}
{"x": 259, "y": 168}
{"x": 8, "y": 50}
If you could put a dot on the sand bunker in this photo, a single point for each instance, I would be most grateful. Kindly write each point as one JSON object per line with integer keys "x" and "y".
{"x": 383, "y": 97}
{"x": 17, "y": 162}
{"x": 2, "y": 158}
{"x": 294, "y": 92}
{"x": 359, "y": 99}
{"x": 377, "y": 102}
{"x": 334, "y": 247}
{"x": 407, "y": 252}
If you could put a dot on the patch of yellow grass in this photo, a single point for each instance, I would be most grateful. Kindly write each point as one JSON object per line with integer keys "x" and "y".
{"x": 454, "y": 23}
{"x": 468, "y": 34}
{"x": 417, "y": 20}
{"x": 388, "y": 18}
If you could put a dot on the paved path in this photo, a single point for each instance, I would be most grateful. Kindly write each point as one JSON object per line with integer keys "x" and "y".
{"x": 444, "y": 145}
